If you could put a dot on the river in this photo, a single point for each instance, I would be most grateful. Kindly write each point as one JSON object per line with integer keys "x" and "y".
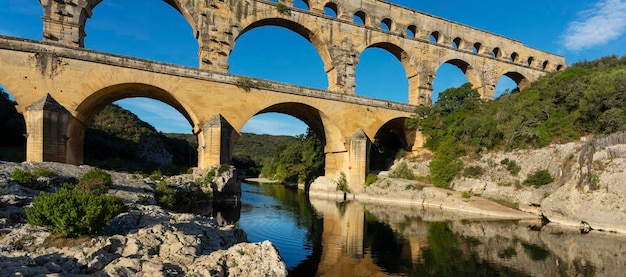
{"x": 318, "y": 237}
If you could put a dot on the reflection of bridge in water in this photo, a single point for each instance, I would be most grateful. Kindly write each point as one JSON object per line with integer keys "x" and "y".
{"x": 59, "y": 87}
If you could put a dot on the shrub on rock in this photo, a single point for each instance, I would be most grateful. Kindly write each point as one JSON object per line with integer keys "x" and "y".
{"x": 71, "y": 212}
{"x": 95, "y": 181}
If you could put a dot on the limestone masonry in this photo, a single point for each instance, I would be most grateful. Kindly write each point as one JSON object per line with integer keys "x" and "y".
{"x": 59, "y": 87}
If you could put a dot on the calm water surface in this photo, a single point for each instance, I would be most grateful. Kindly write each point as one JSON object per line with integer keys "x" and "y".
{"x": 324, "y": 238}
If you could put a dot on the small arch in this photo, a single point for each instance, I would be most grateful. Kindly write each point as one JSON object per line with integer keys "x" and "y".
{"x": 389, "y": 140}
{"x": 457, "y": 43}
{"x": 435, "y": 37}
{"x": 360, "y": 17}
{"x": 559, "y": 67}
{"x": 514, "y": 58}
{"x": 331, "y": 9}
{"x": 496, "y": 53}
{"x": 521, "y": 81}
{"x": 530, "y": 61}
{"x": 303, "y": 4}
{"x": 411, "y": 31}
{"x": 386, "y": 24}
{"x": 477, "y": 48}
{"x": 545, "y": 65}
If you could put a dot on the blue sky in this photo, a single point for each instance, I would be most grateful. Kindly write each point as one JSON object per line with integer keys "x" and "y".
{"x": 578, "y": 30}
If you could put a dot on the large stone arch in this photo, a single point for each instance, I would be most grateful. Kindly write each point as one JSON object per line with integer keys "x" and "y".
{"x": 519, "y": 78}
{"x": 90, "y": 106}
{"x": 473, "y": 76}
{"x": 405, "y": 58}
{"x": 306, "y": 32}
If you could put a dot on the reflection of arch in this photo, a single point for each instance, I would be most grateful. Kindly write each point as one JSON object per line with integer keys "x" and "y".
{"x": 320, "y": 46}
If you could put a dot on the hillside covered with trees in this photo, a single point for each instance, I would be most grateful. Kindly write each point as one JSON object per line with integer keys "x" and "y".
{"x": 587, "y": 98}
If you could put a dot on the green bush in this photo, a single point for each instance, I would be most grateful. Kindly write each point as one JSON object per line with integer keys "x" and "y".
{"x": 511, "y": 166}
{"x": 95, "y": 181}
{"x": 445, "y": 164}
{"x": 22, "y": 177}
{"x": 539, "y": 178}
{"x": 223, "y": 168}
{"x": 72, "y": 212}
{"x": 473, "y": 171}
{"x": 156, "y": 175}
{"x": 342, "y": 183}
{"x": 370, "y": 179}
{"x": 402, "y": 171}
{"x": 165, "y": 196}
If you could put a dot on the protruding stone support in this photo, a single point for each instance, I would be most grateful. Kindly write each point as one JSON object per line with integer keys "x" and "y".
{"x": 358, "y": 160}
{"x": 215, "y": 142}
{"x": 46, "y": 130}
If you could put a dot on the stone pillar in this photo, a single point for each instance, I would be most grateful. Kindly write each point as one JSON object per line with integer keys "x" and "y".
{"x": 64, "y": 21}
{"x": 421, "y": 89}
{"x": 358, "y": 160}
{"x": 215, "y": 142}
{"x": 342, "y": 73}
{"x": 76, "y": 142}
{"x": 216, "y": 33}
{"x": 46, "y": 130}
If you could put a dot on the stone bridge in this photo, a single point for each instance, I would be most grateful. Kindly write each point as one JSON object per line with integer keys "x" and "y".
{"x": 59, "y": 90}
{"x": 59, "y": 86}
{"x": 421, "y": 42}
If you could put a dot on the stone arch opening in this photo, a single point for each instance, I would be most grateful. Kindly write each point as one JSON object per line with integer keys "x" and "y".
{"x": 545, "y": 65}
{"x": 530, "y": 62}
{"x": 274, "y": 51}
{"x": 332, "y": 9}
{"x": 303, "y": 4}
{"x": 477, "y": 48}
{"x": 386, "y": 24}
{"x": 510, "y": 82}
{"x": 559, "y": 67}
{"x": 120, "y": 28}
{"x": 13, "y": 140}
{"x": 435, "y": 37}
{"x": 514, "y": 58}
{"x": 310, "y": 143}
{"x": 360, "y": 17}
{"x": 376, "y": 72}
{"x": 457, "y": 43}
{"x": 411, "y": 31}
{"x": 96, "y": 111}
{"x": 496, "y": 53}
{"x": 388, "y": 143}
{"x": 451, "y": 74}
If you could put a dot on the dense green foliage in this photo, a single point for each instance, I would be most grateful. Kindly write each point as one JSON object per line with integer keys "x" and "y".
{"x": 586, "y": 98}
{"x": 72, "y": 213}
{"x": 95, "y": 181}
{"x": 176, "y": 199}
{"x": 24, "y": 177}
{"x": 539, "y": 178}
{"x": 251, "y": 150}
{"x": 511, "y": 166}
{"x": 12, "y": 140}
{"x": 301, "y": 162}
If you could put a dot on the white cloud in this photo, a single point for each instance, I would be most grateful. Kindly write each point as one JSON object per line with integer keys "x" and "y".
{"x": 604, "y": 22}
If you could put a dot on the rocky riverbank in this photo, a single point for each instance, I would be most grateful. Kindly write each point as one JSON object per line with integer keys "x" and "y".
{"x": 588, "y": 191}
{"x": 145, "y": 241}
